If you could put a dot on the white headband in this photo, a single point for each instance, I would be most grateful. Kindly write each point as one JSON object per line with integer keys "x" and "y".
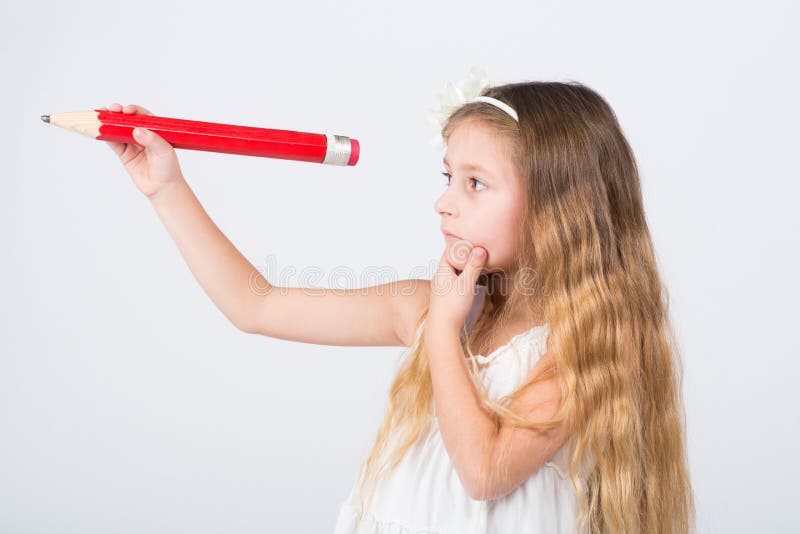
{"x": 464, "y": 92}
{"x": 502, "y": 105}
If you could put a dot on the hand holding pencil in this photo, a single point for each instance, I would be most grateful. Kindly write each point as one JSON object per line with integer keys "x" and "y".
{"x": 120, "y": 126}
{"x": 152, "y": 163}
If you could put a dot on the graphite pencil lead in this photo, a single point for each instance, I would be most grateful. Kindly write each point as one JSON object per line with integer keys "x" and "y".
{"x": 45, "y": 118}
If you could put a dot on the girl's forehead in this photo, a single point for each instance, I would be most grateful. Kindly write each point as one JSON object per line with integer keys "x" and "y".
{"x": 473, "y": 141}
{"x": 473, "y": 147}
{"x": 469, "y": 130}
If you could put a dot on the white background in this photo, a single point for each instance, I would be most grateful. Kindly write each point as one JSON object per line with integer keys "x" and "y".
{"x": 128, "y": 402}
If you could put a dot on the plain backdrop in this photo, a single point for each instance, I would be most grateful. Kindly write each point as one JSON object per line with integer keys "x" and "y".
{"x": 129, "y": 403}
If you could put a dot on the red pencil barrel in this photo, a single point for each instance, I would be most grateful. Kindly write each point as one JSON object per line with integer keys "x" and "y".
{"x": 228, "y": 138}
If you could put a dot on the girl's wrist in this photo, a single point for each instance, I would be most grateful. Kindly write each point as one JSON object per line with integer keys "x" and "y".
{"x": 441, "y": 328}
{"x": 168, "y": 191}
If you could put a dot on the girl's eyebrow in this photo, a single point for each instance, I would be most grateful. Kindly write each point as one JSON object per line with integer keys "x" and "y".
{"x": 469, "y": 166}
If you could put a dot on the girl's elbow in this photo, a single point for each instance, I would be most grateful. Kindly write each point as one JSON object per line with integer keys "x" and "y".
{"x": 490, "y": 487}
{"x": 477, "y": 493}
{"x": 480, "y": 488}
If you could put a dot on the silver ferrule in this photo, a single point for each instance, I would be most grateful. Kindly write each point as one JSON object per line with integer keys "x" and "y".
{"x": 337, "y": 151}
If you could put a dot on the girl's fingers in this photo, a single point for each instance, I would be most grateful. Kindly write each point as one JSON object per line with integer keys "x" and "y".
{"x": 129, "y": 108}
{"x": 133, "y": 108}
{"x": 119, "y": 148}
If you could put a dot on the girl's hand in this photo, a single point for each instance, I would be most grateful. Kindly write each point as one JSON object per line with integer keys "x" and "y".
{"x": 453, "y": 285}
{"x": 151, "y": 161}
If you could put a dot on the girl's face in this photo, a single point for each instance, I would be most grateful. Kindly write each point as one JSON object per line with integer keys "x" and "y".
{"x": 483, "y": 202}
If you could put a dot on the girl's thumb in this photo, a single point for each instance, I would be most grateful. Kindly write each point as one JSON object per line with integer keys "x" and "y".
{"x": 150, "y": 140}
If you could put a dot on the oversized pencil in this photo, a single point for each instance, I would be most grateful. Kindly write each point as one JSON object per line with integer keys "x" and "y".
{"x": 104, "y": 125}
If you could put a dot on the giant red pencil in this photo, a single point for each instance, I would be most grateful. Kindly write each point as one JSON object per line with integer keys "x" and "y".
{"x": 104, "y": 125}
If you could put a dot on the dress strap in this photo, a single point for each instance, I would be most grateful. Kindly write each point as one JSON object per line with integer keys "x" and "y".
{"x": 528, "y": 336}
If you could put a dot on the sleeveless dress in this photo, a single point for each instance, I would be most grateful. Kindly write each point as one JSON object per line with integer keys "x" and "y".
{"x": 424, "y": 493}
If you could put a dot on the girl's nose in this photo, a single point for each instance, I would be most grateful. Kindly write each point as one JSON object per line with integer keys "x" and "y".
{"x": 444, "y": 205}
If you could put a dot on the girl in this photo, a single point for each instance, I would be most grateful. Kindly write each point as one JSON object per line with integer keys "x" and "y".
{"x": 566, "y": 416}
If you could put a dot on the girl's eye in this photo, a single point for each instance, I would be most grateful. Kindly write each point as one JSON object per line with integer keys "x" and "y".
{"x": 475, "y": 180}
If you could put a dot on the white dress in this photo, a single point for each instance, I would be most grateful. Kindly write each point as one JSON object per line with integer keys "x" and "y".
{"x": 425, "y": 495}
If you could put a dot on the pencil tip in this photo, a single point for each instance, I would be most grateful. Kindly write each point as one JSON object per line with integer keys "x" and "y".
{"x": 45, "y": 118}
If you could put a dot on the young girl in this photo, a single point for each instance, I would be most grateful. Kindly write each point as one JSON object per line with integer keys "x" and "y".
{"x": 541, "y": 388}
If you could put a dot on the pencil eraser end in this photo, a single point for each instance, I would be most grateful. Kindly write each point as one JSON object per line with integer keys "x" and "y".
{"x": 355, "y": 150}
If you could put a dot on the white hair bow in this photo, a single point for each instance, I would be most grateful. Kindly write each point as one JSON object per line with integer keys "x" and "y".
{"x": 455, "y": 96}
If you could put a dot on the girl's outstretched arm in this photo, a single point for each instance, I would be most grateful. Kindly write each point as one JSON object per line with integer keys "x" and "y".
{"x": 220, "y": 269}
{"x": 378, "y": 315}
{"x": 382, "y": 315}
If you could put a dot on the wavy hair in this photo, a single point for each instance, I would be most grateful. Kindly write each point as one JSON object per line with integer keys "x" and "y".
{"x": 596, "y": 282}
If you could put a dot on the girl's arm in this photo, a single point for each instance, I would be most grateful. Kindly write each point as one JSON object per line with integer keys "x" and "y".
{"x": 222, "y": 271}
{"x": 378, "y": 315}
{"x": 470, "y": 436}
{"x": 382, "y": 315}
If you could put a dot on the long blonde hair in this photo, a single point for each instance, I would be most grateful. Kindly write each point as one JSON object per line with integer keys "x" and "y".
{"x": 591, "y": 271}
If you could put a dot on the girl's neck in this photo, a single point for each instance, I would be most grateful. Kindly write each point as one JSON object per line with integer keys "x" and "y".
{"x": 498, "y": 301}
